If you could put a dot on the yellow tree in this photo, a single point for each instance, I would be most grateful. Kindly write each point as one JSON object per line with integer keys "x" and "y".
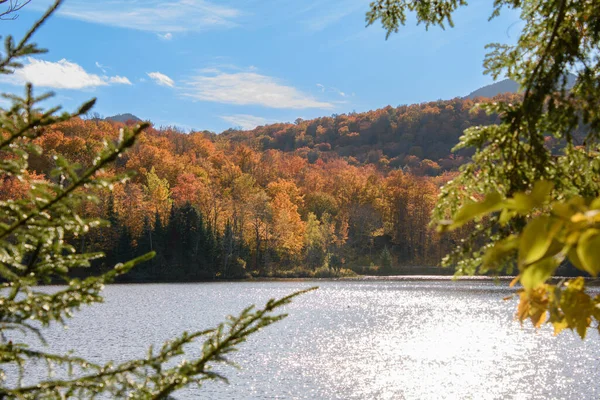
{"x": 287, "y": 227}
{"x": 131, "y": 207}
{"x": 158, "y": 194}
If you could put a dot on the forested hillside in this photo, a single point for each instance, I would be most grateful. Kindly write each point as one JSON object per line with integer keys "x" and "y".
{"x": 418, "y": 136}
{"x": 315, "y": 197}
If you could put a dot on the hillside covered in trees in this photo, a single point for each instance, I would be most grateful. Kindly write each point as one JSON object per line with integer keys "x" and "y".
{"x": 418, "y": 136}
{"x": 314, "y": 197}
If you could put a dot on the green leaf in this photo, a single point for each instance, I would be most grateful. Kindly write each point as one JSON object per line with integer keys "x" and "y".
{"x": 505, "y": 216}
{"x": 537, "y": 273}
{"x": 574, "y": 258}
{"x": 536, "y": 239}
{"x": 588, "y": 250}
{"x": 499, "y": 251}
{"x": 559, "y": 326}
{"x": 521, "y": 202}
{"x": 541, "y": 191}
{"x": 563, "y": 210}
{"x": 492, "y": 202}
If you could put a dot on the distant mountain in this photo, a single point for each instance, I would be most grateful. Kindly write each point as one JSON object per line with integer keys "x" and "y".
{"x": 123, "y": 118}
{"x": 506, "y": 86}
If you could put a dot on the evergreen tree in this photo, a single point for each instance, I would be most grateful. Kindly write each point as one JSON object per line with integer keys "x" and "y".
{"x": 208, "y": 252}
{"x": 386, "y": 260}
{"x": 123, "y": 249}
{"x": 227, "y": 247}
{"x": 145, "y": 271}
{"x": 201, "y": 267}
{"x": 34, "y": 251}
{"x": 181, "y": 241}
{"x": 159, "y": 244}
{"x": 172, "y": 247}
{"x": 191, "y": 231}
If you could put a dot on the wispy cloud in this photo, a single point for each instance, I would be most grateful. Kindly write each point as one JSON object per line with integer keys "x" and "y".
{"x": 102, "y": 68}
{"x": 62, "y": 74}
{"x": 119, "y": 79}
{"x": 167, "y": 36}
{"x": 161, "y": 16}
{"x": 245, "y": 121}
{"x": 330, "y": 89}
{"x": 323, "y": 17}
{"x": 248, "y": 88}
{"x": 161, "y": 79}
{"x": 217, "y": 68}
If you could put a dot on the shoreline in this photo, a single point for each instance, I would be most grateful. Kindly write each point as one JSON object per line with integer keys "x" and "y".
{"x": 590, "y": 281}
{"x": 449, "y": 278}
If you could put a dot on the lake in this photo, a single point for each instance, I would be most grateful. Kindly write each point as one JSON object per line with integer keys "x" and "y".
{"x": 369, "y": 339}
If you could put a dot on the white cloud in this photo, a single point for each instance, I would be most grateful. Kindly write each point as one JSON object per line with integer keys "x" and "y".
{"x": 161, "y": 79}
{"x": 245, "y": 121}
{"x": 160, "y": 16}
{"x": 62, "y": 74}
{"x": 119, "y": 79}
{"x": 166, "y": 36}
{"x": 246, "y": 88}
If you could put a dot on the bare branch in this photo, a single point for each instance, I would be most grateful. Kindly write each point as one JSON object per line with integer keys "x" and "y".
{"x": 12, "y": 6}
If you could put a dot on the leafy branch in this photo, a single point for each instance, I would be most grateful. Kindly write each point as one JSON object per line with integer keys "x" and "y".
{"x": 526, "y": 205}
{"x": 556, "y": 232}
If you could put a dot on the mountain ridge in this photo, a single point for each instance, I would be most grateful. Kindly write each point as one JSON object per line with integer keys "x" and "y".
{"x": 506, "y": 86}
{"x": 126, "y": 117}
{"x": 494, "y": 89}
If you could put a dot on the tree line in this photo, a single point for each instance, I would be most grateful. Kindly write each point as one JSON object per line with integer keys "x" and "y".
{"x": 266, "y": 211}
{"x": 213, "y": 207}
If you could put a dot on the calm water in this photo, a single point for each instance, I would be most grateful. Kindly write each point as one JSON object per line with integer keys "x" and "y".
{"x": 352, "y": 340}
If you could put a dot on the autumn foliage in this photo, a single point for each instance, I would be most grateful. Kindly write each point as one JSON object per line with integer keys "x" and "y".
{"x": 348, "y": 191}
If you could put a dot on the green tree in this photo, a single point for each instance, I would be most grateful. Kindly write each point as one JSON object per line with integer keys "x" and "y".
{"x": 35, "y": 233}
{"x": 530, "y": 207}
{"x": 386, "y": 260}
{"x": 314, "y": 243}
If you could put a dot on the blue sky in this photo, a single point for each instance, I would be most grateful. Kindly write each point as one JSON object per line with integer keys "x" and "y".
{"x": 201, "y": 64}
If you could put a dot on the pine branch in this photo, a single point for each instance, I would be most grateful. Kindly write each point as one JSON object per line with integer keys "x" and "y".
{"x": 215, "y": 346}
